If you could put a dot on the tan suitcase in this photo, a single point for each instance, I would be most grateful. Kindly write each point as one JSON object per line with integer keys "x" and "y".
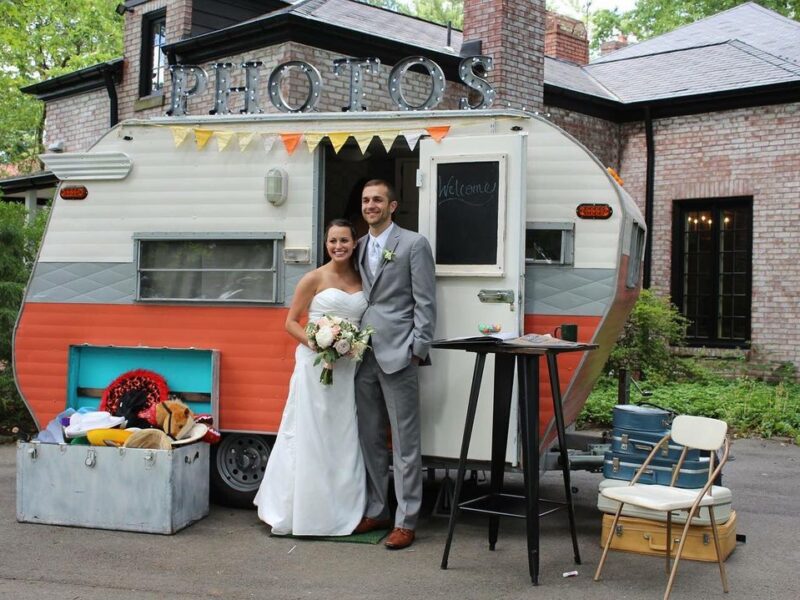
{"x": 648, "y": 537}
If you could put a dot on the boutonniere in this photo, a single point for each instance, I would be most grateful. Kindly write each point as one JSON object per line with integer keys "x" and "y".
{"x": 388, "y": 255}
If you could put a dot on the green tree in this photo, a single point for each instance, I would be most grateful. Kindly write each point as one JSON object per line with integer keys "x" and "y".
{"x": 650, "y": 18}
{"x": 19, "y": 239}
{"x": 41, "y": 39}
{"x": 437, "y": 11}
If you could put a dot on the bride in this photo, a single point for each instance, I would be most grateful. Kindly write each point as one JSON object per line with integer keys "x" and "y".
{"x": 314, "y": 482}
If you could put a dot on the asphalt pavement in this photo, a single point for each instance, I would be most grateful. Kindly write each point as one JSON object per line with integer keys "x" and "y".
{"x": 230, "y": 554}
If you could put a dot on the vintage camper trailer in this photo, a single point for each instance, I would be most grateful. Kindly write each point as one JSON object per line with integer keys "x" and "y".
{"x": 175, "y": 244}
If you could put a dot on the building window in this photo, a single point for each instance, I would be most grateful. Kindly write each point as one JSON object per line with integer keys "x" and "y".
{"x": 713, "y": 270}
{"x": 635, "y": 255}
{"x": 549, "y": 243}
{"x": 153, "y": 62}
{"x": 196, "y": 269}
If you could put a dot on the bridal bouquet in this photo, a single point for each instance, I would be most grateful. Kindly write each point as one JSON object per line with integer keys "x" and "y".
{"x": 334, "y": 337}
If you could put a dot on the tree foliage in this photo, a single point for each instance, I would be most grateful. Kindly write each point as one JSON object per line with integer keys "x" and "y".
{"x": 650, "y": 18}
{"x": 41, "y": 39}
{"x": 436, "y": 11}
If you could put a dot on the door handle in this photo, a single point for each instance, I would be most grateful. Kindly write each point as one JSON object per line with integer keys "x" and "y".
{"x": 497, "y": 296}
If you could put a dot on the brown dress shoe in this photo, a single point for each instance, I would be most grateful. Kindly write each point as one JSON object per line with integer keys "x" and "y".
{"x": 368, "y": 524}
{"x": 399, "y": 538}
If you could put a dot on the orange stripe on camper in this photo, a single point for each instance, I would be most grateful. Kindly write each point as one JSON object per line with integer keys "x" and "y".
{"x": 256, "y": 353}
{"x": 567, "y": 363}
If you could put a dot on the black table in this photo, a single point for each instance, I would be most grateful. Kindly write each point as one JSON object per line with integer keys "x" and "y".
{"x": 497, "y": 503}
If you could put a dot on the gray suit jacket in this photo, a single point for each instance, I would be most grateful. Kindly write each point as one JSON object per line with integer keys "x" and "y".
{"x": 402, "y": 299}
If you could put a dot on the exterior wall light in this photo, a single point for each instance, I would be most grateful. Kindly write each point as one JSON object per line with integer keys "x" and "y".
{"x": 277, "y": 186}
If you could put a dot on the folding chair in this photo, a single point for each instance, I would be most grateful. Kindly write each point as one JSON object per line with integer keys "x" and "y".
{"x": 691, "y": 432}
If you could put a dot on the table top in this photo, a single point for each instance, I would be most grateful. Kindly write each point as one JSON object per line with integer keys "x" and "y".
{"x": 491, "y": 345}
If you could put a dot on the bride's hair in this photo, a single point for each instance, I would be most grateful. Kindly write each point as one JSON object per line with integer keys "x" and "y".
{"x": 353, "y": 232}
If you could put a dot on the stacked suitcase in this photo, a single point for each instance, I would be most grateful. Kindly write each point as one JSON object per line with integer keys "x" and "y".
{"x": 636, "y": 431}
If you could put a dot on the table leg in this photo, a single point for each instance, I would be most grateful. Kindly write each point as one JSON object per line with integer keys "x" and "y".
{"x": 528, "y": 371}
{"x": 503, "y": 384}
{"x": 558, "y": 410}
{"x": 477, "y": 374}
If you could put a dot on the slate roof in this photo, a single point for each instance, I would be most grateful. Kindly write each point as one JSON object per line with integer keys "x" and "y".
{"x": 744, "y": 47}
{"x": 749, "y": 23}
{"x": 381, "y": 22}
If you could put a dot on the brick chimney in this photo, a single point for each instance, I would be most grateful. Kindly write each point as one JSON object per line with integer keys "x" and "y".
{"x": 512, "y": 33}
{"x": 611, "y": 45}
{"x": 566, "y": 38}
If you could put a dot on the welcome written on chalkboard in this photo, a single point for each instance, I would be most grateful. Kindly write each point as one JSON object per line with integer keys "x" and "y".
{"x": 467, "y": 209}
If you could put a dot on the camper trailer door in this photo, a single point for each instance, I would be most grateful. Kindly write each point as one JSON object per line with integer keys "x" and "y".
{"x": 471, "y": 207}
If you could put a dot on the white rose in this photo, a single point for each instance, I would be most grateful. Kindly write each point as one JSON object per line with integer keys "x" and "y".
{"x": 324, "y": 337}
{"x": 342, "y": 347}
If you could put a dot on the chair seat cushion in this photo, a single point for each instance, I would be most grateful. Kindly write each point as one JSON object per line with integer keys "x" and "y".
{"x": 657, "y": 497}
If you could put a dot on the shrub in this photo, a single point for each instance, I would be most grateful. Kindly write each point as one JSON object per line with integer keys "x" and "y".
{"x": 19, "y": 241}
{"x": 644, "y": 345}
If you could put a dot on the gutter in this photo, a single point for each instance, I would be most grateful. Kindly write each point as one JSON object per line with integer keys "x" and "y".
{"x": 649, "y": 197}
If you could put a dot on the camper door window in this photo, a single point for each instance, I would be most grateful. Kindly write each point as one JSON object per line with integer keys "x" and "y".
{"x": 207, "y": 270}
{"x": 549, "y": 243}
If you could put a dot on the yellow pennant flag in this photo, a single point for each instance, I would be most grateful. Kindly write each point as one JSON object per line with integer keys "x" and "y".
{"x": 313, "y": 140}
{"x": 387, "y": 138}
{"x": 201, "y": 137}
{"x": 224, "y": 139}
{"x": 179, "y": 134}
{"x": 245, "y": 138}
{"x": 363, "y": 140}
{"x": 338, "y": 139}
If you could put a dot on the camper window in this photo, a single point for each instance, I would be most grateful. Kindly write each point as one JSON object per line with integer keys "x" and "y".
{"x": 549, "y": 243}
{"x": 207, "y": 270}
{"x": 635, "y": 256}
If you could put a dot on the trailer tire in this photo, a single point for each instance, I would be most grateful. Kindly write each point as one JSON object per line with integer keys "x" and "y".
{"x": 237, "y": 468}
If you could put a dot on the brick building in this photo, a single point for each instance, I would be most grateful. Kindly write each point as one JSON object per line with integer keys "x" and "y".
{"x": 702, "y": 123}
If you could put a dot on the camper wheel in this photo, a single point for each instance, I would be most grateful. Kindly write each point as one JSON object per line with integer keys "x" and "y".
{"x": 237, "y": 467}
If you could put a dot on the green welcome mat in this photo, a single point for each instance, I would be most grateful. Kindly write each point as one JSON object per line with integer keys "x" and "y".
{"x": 370, "y": 537}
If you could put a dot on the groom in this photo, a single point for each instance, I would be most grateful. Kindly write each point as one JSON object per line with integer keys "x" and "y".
{"x": 398, "y": 278}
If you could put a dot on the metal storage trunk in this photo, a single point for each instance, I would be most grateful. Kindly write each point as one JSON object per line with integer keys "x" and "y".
{"x": 129, "y": 489}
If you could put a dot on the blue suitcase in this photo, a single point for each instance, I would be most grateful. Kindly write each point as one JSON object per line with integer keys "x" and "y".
{"x": 694, "y": 473}
{"x": 641, "y": 443}
{"x": 642, "y": 418}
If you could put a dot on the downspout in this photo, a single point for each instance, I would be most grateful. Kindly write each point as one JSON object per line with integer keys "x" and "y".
{"x": 648, "y": 196}
{"x": 113, "y": 109}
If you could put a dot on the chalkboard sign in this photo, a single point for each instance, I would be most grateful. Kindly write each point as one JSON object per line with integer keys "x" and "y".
{"x": 467, "y": 210}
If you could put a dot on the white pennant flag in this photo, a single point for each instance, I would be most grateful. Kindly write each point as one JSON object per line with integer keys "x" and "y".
{"x": 268, "y": 140}
{"x": 245, "y": 137}
{"x": 412, "y": 137}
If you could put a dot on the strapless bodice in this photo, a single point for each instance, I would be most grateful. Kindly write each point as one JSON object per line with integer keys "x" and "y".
{"x": 338, "y": 303}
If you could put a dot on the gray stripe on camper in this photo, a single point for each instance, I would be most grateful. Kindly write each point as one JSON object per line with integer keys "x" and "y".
{"x": 106, "y": 283}
{"x": 555, "y": 290}
{"x": 114, "y": 283}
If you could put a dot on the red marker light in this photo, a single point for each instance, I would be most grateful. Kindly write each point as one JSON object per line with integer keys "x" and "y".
{"x": 74, "y": 192}
{"x": 594, "y": 211}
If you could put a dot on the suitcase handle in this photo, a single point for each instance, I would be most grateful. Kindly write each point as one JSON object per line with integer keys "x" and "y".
{"x": 660, "y": 547}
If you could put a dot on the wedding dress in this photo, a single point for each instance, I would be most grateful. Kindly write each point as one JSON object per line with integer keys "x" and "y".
{"x": 314, "y": 483}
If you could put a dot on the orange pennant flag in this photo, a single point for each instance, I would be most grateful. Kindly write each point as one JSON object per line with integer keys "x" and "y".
{"x": 291, "y": 140}
{"x": 438, "y": 133}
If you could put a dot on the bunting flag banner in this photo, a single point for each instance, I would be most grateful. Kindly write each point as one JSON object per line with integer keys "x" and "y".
{"x": 363, "y": 140}
{"x": 438, "y": 133}
{"x": 201, "y": 137}
{"x": 412, "y": 137}
{"x": 224, "y": 139}
{"x": 245, "y": 139}
{"x": 290, "y": 141}
{"x": 269, "y": 141}
{"x": 179, "y": 134}
{"x": 387, "y": 138}
{"x": 338, "y": 139}
{"x": 312, "y": 140}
